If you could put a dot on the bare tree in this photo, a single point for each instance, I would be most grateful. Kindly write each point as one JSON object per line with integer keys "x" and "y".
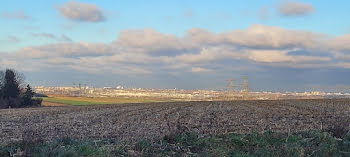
{"x": 2, "y": 77}
{"x": 20, "y": 80}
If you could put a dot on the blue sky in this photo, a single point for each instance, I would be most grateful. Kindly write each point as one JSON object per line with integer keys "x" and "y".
{"x": 167, "y": 17}
{"x": 152, "y": 41}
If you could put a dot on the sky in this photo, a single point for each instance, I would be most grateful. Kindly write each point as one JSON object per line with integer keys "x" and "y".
{"x": 280, "y": 45}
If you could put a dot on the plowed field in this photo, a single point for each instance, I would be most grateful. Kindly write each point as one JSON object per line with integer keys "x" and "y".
{"x": 133, "y": 122}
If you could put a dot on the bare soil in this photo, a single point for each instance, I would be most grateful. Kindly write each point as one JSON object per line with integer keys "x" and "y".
{"x": 132, "y": 122}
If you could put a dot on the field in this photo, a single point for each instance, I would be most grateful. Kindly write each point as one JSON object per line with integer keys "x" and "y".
{"x": 76, "y": 101}
{"x": 133, "y": 122}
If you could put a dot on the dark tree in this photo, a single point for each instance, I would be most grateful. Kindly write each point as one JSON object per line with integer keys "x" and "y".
{"x": 11, "y": 87}
{"x": 27, "y": 96}
{"x": 12, "y": 92}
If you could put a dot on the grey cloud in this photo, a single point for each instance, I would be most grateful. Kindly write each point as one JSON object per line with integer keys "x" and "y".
{"x": 64, "y": 50}
{"x": 341, "y": 43}
{"x": 153, "y": 42}
{"x": 45, "y": 35}
{"x": 207, "y": 55}
{"x": 340, "y": 47}
{"x": 280, "y": 56}
{"x": 148, "y": 40}
{"x": 79, "y": 11}
{"x": 261, "y": 36}
{"x": 66, "y": 38}
{"x": 288, "y": 8}
{"x": 11, "y": 39}
{"x": 20, "y": 15}
{"x": 197, "y": 37}
{"x": 62, "y": 38}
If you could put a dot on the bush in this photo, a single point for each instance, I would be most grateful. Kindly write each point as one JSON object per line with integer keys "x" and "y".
{"x": 40, "y": 95}
{"x": 36, "y": 102}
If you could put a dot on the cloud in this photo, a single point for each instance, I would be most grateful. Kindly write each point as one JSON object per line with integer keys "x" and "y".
{"x": 199, "y": 70}
{"x": 148, "y": 41}
{"x": 209, "y": 55}
{"x": 280, "y": 56}
{"x": 288, "y": 8}
{"x": 197, "y": 37}
{"x": 68, "y": 50}
{"x": 11, "y": 39}
{"x": 62, "y": 38}
{"x": 19, "y": 15}
{"x": 340, "y": 47}
{"x": 66, "y": 38}
{"x": 79, "y": 11}
{"x": 341, "y": 43}
{"x": 45, "y": 35}
{"x": 271, "y": 37}
{"x": 150, "y": 52}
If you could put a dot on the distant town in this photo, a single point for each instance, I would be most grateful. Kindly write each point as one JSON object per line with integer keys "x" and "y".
{"x": 183, "y": 95}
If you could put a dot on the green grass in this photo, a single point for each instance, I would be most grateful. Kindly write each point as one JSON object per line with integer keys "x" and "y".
{"x": 99, "y": 100}
{"x": 69, "y": 102}
{"x": 190, "y": 144}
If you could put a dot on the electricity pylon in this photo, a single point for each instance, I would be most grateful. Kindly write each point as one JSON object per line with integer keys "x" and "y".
{"x": 245, "y": 88}
{"x": 231, "y": 87}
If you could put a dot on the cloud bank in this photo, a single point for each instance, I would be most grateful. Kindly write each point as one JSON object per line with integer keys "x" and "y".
{"x": 148, "y": 52}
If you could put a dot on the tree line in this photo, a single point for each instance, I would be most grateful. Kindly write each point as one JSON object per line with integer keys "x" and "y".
{"x": 14, "y": 93}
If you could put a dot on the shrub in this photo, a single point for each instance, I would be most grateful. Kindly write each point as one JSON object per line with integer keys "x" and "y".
{"x": 40, "y": 95}
{"x": 36, "y": 102}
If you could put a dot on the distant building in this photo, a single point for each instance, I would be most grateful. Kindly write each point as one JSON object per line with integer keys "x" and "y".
{"x": 119, "y": 87}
